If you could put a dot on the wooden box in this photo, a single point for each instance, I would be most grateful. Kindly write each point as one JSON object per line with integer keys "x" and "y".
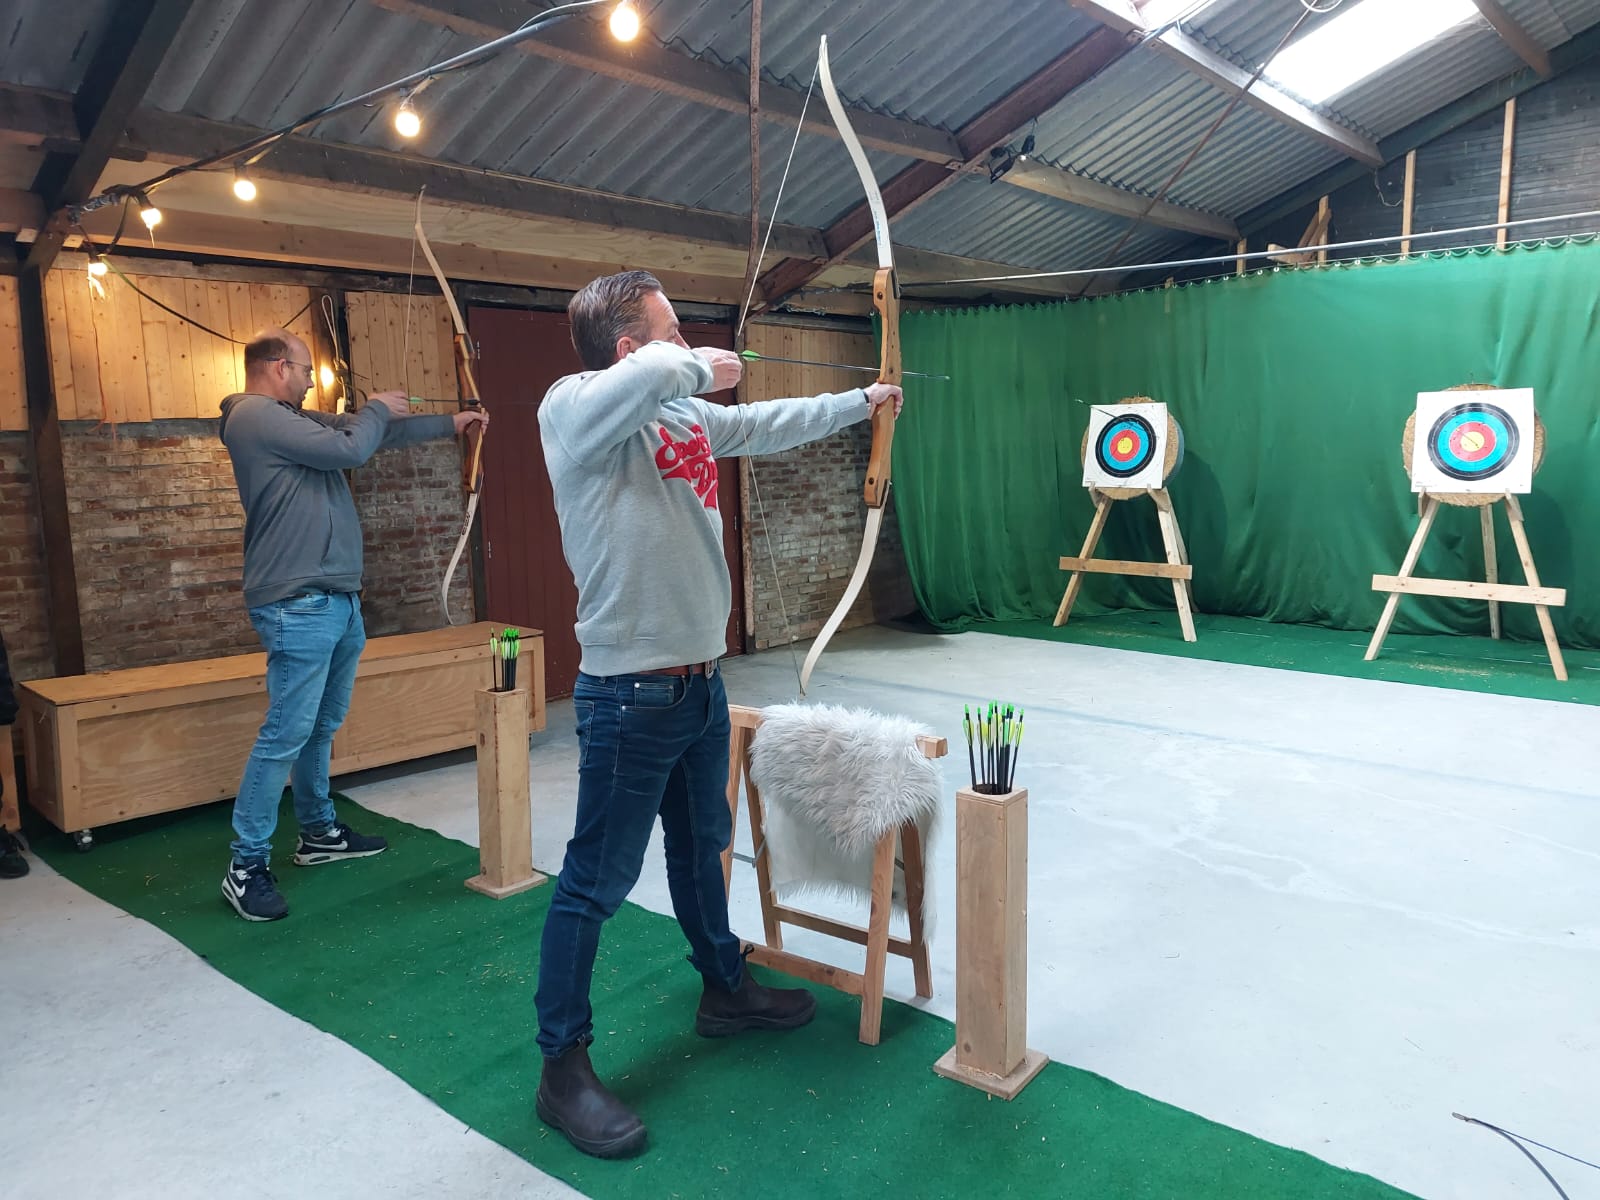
{"x": 122, "y": 744}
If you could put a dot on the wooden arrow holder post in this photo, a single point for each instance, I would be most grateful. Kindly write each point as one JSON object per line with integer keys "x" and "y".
{"x": 505, "y": 818}
{"x": 1176, "y": 568}
{"x": 1405, "y": 583}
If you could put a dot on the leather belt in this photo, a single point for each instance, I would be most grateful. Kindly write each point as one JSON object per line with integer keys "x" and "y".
{"x": 700, "y": 668}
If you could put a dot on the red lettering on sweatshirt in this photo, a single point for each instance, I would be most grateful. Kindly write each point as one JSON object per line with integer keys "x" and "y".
{"x": 690, "y": 460}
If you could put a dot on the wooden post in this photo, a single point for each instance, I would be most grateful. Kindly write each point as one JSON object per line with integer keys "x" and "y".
{"x": 10, "y": 814}
{"x": 1243, "y": 249}
{"x": 1505, "y": 171}
{"x": 505, "y": 832}
{"x": 1410, "y": 203}
{"x": 991, "y": 1050}
{"x": 1324, "y": 219}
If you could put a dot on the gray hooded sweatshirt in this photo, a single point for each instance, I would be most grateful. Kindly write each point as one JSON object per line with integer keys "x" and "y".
{"x": 632, "y": 458}
{"x": 300, "y": 524}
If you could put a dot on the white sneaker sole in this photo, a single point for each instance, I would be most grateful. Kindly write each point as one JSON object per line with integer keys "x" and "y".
{"x": 315, "y": 858}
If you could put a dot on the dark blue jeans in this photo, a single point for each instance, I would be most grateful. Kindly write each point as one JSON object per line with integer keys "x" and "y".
{"x": 649, "y": 745}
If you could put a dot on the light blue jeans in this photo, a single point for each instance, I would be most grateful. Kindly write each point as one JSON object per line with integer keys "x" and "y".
{"x": 313, "y": 642}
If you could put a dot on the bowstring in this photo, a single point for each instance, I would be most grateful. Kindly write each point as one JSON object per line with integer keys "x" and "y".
{"x": 744, "y": 426}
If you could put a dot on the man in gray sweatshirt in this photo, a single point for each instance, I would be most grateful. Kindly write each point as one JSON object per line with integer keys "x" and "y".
{"x": 631, "y": 452}
{"x": 302, "y": 576}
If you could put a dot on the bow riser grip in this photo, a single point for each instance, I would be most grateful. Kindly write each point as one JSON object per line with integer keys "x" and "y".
{"x": 886, "y": 299}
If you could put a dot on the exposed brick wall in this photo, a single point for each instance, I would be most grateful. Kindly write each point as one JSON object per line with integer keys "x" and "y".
{"x": 816, "y": 517}
{"x": 158, "y": 531}
{"x": 157, "y": 538}
{"x": 412, "y": 510}
{"x": 22, "y": 581}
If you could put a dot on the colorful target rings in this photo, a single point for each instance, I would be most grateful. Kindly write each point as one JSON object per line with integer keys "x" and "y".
{"x": 1472, "y": 441}
{"x": 1125, "y": 446}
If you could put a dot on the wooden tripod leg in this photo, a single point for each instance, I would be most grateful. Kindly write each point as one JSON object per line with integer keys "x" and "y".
{"x": 1102, "y": 506}
{"x": 738, "y": 758}
{"x": 1173, "y": 541}
{"x": 1546, "y": 626}
{"x": 877, "y": 940}
{"x": 911, "y": 852}
{"x": 1430, "y": 510}
{"x": 1491, "y": 566}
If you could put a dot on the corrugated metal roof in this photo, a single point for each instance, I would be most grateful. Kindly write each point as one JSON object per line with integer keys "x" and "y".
{"x": 267, "y": 62}
{"x": 43, "y": 46}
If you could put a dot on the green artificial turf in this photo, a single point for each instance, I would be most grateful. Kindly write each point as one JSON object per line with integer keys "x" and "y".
{"x": 1476, "y": 664}
{"x": 435, "y": 983}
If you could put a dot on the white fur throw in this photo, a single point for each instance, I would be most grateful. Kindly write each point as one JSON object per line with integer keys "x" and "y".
{"x": 832, "y": 781}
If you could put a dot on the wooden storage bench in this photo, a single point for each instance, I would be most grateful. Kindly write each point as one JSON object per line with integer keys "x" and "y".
{"x": 122, "y": 744}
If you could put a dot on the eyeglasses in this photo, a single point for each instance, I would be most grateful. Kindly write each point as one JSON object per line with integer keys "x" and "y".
{"x": 306, "y": 367}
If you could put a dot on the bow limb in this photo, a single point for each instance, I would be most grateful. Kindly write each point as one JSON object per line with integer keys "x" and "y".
{"x": 886, "y": 300}
{"x": 472, "y": 456}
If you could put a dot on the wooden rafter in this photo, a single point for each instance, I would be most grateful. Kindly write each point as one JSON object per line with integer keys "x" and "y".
{"x": 1228, "y": 76}
{"x": 1515, "y": 36}
{"x": 585, "y": 46}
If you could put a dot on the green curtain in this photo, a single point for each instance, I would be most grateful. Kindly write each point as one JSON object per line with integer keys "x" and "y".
{"x": 1292, "y": 388}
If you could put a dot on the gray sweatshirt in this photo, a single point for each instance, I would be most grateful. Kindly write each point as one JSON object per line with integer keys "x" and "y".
{"x": 631, "y": 453}
{"x": 300, "y": 524}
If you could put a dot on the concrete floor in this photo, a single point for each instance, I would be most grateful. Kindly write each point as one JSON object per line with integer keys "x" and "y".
{"x": 1328, "y": 912}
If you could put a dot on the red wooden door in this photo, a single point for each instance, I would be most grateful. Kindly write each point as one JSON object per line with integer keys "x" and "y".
{"x": 526, "y": 579}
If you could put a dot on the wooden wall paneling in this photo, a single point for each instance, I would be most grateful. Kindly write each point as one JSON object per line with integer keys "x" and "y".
{"x": 124, "y": 309}
{"x": 359, "y": 335}
{"x": 242, "y": 324}
{"x": 225, "y": 356}
{"x": 56, "y": 284}
{"x": 108, "y": 352}
{"x": 183, "y": 400}
{"x": 159, "y": 367}
{"x": 89, "y": 402}
{"x": 13, "y": 397}
{"x": 209, "y": 390}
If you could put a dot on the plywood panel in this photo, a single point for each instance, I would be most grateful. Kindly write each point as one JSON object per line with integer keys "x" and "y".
{"x": 89, "y": 403}
{"x": 55, "y": 309}
{"x": 13, "y": 400}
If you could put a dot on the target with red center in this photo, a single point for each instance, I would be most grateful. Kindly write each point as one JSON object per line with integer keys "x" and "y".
{"x": 1125, "y": 446}
{"x": 1472, "y": 440}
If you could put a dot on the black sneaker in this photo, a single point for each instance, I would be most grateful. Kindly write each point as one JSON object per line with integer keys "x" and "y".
{"x": 336, "y": 842}
{"x": 12, "y": 864}
{"x": 253, "y": 892}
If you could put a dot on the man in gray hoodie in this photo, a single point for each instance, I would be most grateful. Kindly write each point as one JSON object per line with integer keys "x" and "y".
{"x": 302, "y": 576}
{"x": 631, "y": 450}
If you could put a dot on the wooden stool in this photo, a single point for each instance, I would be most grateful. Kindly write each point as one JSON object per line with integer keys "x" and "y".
{"x": 868, "y": 984}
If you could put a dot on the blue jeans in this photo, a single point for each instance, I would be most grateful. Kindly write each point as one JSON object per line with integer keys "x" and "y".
{"x": 313, "y": 642}
{"x": 649, "y": 745}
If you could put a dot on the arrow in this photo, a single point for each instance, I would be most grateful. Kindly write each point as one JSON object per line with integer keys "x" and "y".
{"x": 752, "y": 356}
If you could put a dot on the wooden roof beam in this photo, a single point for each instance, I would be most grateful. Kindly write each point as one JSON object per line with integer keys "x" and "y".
{"x": 1229, "y": 77}
{"x": 1515, "y": 36}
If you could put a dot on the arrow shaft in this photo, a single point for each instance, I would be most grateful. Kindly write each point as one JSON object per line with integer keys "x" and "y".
{"x": 752, "y": 356}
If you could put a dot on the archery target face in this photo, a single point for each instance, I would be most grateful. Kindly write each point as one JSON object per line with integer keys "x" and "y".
{"x": 1474, "y": 442}
{"x": 1127, "y": 446}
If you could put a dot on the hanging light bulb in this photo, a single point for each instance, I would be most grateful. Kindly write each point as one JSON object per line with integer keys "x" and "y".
{"x": 326, "y": 375}
{"x": 148, "y": 213}
{"x": 624, "y": 22}
{"x": 406, "y": 121}
{"x": 243, "y": 186}
{"x": 97, "y": 266}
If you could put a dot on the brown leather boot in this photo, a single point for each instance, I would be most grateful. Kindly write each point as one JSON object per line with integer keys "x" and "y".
{"x": 752, "y": 1006}
{"x": 572, "y": 1100}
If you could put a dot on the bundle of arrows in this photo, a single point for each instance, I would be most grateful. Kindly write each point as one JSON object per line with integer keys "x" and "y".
{"x": 503, "y": 650}
{"x": 992, "y": 744}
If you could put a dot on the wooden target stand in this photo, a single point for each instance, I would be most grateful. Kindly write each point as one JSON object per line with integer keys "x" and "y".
{"x": 1491, "y": 589}
{"x": 1177, "y": 567}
